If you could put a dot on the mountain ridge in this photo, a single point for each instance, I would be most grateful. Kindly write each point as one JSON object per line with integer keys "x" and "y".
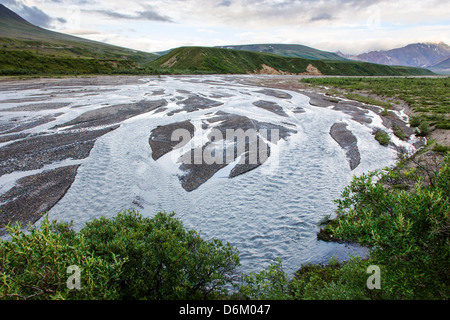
{"x": 421, "y": 54}
{"x": 209, "y": 60}
{"x": 287, "y": 50}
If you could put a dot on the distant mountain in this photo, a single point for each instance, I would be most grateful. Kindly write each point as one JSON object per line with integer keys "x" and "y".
{"x": 344, "y": 55}
{"x": 422, "y": 55}
{"x": 26, "y": 48}
{"x": 288, "y": 50}
{"x": 223, "y": 61}
{"x": 442, "y": 67}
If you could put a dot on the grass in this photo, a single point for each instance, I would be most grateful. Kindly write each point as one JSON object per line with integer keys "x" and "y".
{"x": 367, "y": 100}
{"x": 440, "y": 148}
{"x": 382, "y": 137}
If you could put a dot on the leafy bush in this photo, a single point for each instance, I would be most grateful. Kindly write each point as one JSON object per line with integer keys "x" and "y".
{"x": 162, "y": 259}
{"x": 423, "y": 129}
{"x": 414, "y": 121}
{"x": 334, "y": 281}
{"x": 407, "y": 232}
{"x": 382, "y": 137}
{"x": 34, "y": 265}
{"x": 126, "y": 257}
{"x": 268, "y": 284}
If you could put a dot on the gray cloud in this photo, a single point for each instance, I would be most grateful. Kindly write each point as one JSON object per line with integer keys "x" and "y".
{"x": 148, "y": 14}
{"x": 32, "y": 14}
{"x": 321, "y": 16}
{"x": 225, "y": 3}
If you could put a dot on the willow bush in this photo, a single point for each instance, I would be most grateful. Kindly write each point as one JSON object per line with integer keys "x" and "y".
{"x": 125, "y": 257}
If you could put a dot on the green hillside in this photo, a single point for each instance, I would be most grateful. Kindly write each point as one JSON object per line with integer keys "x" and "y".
{"x": 28, "y": 49}
{"x": 209, "y": 60}
{"x": 288, "y": 50}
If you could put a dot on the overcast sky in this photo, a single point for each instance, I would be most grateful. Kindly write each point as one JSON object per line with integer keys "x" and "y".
{"x": 350, "y": 26}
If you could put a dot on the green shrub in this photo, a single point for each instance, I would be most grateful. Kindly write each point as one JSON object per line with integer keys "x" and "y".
{"x": 423, "y": 129}
{"x": 125, "y": 257}
{"x": 268, "y": 284}
{"x": 382, "y": 137}
{"x": 333, "y": 281}
{"x": 406, "y": 231}
{"x": 34, "y": 265}
{"x": 163, "y": 260}
{"x": 414, "y": 121}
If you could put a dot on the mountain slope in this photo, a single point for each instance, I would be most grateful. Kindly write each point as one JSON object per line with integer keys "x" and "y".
{"x": 223, "y": 61}
{"x": 420, "y": 55}
{"x": 288, "y": 50}
{"x": 442, "y": 67}
{"x": 26, "y": 48}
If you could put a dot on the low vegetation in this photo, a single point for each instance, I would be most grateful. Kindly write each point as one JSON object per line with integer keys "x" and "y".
{"x": 368, "y": 100}
{"x": 382, "y": 137}
{"x": 125, "y": 257}
{"x": 14, "y": 63}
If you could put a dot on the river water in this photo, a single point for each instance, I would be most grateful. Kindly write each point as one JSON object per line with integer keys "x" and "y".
{"x": 269, "y": 212}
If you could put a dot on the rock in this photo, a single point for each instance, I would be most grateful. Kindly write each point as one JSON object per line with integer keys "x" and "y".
{"x": 113, "y": 114}
{"x": 34, "y": 152}
{"x": 39, "y": 106}
{"x": 22, "y": 124}
{"x": 270, "y": 106}
{"x": 161, "y": 138}
{"x": 34, "y": 195}
{"x": 348, "y": 142}
{"x": 194, "y": 103}
{"x": 275, "y": 93}
{"x": 357, "y": 113}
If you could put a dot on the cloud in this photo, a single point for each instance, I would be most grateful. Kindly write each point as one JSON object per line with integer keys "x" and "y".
{"x": 322, "y": 16}
{"x": 225, "y": 3}
{"x": 208, "y": 31}
{"x": 148, "y": 14}
{"x": 32, "y": 14}
{"x": 351, "y": 26}
{"x": 81, "y": 32}
{"x": 257, "y": 14}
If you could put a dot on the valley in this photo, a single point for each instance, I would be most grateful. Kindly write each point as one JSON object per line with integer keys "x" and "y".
{"x": 81, "y": 148}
